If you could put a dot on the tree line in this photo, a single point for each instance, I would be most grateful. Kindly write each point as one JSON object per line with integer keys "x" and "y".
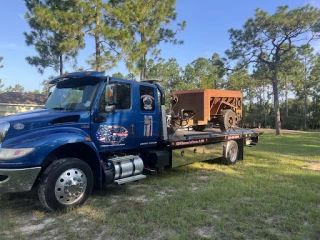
{"x": 271, "y": 59}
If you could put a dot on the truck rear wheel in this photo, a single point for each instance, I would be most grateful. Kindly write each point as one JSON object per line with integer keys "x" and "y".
{"x": 65, "y": 184}
{"x": 227, "y": 120}
{"x": 230, "y": 154}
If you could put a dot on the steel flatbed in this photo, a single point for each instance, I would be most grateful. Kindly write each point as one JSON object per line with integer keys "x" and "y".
{"x": 183, "y": 138}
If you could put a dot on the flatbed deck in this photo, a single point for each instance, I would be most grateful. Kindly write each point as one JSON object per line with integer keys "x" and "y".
{"x": 184, "y": 137}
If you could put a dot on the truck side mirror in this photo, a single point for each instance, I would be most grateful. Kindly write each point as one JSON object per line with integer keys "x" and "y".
{"x": 110, "y": 109}
{"x": 111, "y": 94}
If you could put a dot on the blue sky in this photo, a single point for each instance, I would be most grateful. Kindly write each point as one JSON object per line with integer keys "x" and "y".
{"x": 208, "y": 22}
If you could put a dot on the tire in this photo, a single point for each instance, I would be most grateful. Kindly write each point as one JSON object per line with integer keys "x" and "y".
{"x": 55, "y": 192}
{"x": 199, "y": 127}
{"x": 230, "y": 153}
{"x": 227, "y": 120}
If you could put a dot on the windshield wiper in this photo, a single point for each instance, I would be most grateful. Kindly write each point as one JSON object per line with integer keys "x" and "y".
{"x": 58, "y": 108}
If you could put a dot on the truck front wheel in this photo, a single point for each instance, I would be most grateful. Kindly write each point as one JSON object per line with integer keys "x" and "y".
{"x": 65, "y": 184}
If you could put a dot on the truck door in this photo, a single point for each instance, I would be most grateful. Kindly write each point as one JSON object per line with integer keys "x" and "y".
{"x": 117, "y": 131}
{"x": 147, "y": 117}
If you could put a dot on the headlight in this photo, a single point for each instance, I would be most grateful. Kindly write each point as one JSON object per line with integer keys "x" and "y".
{"x": 11, "y": 153}
{"x": 4, "y": 127}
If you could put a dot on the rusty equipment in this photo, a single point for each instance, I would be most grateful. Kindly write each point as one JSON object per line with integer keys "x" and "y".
{"x": 198, "y": 107}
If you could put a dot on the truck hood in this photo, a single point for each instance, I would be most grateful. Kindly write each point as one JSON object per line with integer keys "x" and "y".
{"x": 42, "y": 118}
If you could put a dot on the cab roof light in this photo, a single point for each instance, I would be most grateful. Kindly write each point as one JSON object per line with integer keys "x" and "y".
{"x": 77, "y": 75}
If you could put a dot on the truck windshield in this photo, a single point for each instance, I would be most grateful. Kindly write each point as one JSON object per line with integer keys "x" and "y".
{"x": 73, "y": 94}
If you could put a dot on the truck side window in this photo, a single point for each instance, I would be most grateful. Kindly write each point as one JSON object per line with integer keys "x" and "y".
{"x": 147, "y": 101}
{"x": 123, "y": 97}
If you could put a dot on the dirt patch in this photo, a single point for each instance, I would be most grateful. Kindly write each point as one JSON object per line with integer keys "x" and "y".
{"x": 194, "y": 187}
{"x": 205, "y": 232}
{"x": 315, "y": 166}
{"x": 36, "y": 227}
{"x": 140, "y": 199}
{"x": 163, "y": 194}
{"x": 204, "y": 177}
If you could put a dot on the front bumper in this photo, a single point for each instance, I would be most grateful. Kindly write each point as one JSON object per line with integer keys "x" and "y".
{"x": 17, "y": 180}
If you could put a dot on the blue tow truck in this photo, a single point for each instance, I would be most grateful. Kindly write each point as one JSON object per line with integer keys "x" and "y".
{"x": 97, "y": 130}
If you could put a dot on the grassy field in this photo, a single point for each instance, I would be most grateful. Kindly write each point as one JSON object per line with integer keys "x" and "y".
{"x": 273, "y": 194}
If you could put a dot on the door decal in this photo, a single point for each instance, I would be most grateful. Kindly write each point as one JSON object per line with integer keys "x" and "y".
{"x": 148, "y": 102}
{"x": 147, "y": 126}
{"x": 112, "y": 135}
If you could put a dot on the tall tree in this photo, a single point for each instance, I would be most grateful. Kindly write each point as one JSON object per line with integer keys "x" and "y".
{"x": 289, "y": 74}
{"x": 168, "y": 72}
{"x": 197, "y": 74}
{"x": 268, "y": 38}
{"x": 315, "y": 77}
{"x": 306, "y": 84}
{"x": 142, "y": 25}
{"x": 217, "y": 70}
{"x": 205, "y": 73}
{"x": 97, "y": 24}
{"x": 262, "y": 76}
{"x": 118, "y": 75}
{"x": 53, "y": 45}
{"x": 86, "y": 18}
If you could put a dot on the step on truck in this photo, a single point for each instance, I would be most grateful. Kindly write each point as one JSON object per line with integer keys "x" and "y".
{"x": 97, "y": 130}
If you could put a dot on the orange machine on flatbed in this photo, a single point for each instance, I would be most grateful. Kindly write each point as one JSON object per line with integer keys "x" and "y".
{"x": 198, "y": 107}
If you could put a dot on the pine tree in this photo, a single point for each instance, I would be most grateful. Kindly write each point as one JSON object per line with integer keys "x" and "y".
{"x": 118, "y": 75}
{"x": 53, "y": 44}
{"x": 308, "y": 60}
{"x": 141, "y": 26}
{"x": 97, "y": 24}
{"x": 268, "y": 38}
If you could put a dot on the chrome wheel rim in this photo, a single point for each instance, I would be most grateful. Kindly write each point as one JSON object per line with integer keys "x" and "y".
{"x": 233, "y": 152}
{"x": 70, "y": 186}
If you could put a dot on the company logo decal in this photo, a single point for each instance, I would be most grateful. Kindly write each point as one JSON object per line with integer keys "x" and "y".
{"x": 18, "y": 126}
{"x": 112, "y": 135}
{"x": 147, "y": 102}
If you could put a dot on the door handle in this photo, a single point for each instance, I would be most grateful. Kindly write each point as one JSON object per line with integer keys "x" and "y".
{"x": 131, "y": 130}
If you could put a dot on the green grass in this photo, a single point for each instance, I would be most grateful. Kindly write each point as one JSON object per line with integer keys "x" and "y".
{"x": 272, "y": 194}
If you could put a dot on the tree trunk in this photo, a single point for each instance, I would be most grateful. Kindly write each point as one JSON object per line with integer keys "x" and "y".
{"x": 276, "y": 102}
{"x": 305, "y": 107}
{"x": 143, "y": 72}
{"x": 305, "y": 94}
{"x": 97, "y": 43}
{"x": 61, "y": 65}
{"x": 264, "y": 104}
{"x": 287, "y": 93}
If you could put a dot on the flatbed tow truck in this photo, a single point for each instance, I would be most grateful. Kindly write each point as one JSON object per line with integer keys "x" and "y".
{"x": 97, "y": 130}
